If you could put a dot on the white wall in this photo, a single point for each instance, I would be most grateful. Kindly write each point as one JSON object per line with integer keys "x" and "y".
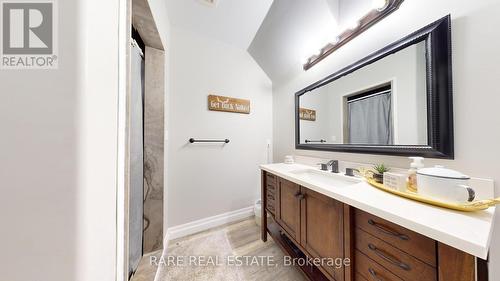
{"x": 350, "y": 11}
{"x": 160, "y": 15}
{"x": 97, "y": 144}
{"x": 58, "y": 154}
{"x": 475, "y": 75}
{"x": 317, "y": 100}
{"x": 207, "y": 180}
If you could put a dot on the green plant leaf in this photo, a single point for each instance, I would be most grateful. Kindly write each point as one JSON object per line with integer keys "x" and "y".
{"x": 381, "y": 168}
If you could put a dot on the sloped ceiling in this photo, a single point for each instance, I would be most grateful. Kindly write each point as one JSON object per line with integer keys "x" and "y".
{"x": 278, "y": 34}
{"x": 234, "y": 22}
{"x": 293, "y": 30}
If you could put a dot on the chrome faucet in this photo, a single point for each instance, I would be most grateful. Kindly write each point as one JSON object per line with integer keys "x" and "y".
{"x": 350, "y": 171}
{"x": 334, "y": 164}
{"x": 324, "y": 166}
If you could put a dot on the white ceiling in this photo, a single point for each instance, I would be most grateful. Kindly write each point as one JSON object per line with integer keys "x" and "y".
{"x": 278, "y": 34}
{"x": 234, "y": 22}
{"x": 294, "y": 30}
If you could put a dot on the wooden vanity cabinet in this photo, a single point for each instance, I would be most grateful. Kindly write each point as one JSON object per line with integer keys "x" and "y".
{"x": 270, "y": 187}
{"x": 320, "y": 227}
{"x": 288, "y": 208}
{"x": 314, "y": 222}
{"x": 406, "y": 254}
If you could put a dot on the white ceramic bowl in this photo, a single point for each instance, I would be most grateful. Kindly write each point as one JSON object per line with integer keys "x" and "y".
{"x": 444, "y": 184}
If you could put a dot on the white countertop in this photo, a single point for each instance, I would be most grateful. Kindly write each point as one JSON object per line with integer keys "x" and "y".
{"x": 469, "y": 232}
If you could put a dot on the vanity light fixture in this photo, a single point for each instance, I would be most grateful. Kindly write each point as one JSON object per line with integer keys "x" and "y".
{"x": 379, "y": 4}
{"x": 380, "y": 9}
{"x": 354, "y": 25}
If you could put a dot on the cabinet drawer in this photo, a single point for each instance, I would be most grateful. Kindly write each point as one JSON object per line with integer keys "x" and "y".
{"x": 271, "y": 188}
{"x": 359, "y": 277}
{"x": 370, "y": 270}
{"x": 406, "y": 240}
{"x": 271, "y": 196}
{"x": 271, "y": 202}
{"x": 271, "y": 179}
{"x": 271, "y": 208}
{"x": 398, "y": 262}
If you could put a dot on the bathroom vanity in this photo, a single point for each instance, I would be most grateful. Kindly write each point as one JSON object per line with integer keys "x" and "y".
{"x": 396, "y": 101}
{"x": 378, "y": 236}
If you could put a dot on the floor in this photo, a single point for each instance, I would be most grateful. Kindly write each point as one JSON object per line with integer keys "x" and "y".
{"x": 231, "y": 252}
{"x": 145, "y": 271}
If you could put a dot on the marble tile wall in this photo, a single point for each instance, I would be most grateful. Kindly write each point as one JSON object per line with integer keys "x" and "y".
{"x": 153, "y": 150}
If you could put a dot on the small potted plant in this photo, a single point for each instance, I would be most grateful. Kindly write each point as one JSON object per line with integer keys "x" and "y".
{"x": 379, "y": 171}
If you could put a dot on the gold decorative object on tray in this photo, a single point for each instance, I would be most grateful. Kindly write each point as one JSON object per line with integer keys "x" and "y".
{"x": 466, "y": 207}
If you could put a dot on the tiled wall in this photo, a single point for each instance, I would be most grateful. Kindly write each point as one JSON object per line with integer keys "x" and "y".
{"x": 153, "y": 150}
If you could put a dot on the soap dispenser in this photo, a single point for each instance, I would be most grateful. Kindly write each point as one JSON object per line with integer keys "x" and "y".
{"x": 412, "y": 172}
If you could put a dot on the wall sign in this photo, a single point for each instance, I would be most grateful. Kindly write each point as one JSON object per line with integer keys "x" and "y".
{"x": 228, "y": 104}
{"x": 307, "y": 114}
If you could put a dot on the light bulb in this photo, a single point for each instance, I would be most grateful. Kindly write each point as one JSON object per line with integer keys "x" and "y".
{"x": 354, "y": 25}
{"x": 379, "y": 4}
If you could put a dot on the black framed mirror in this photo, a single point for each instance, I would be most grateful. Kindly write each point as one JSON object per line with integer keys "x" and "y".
{"x": 396, "y": 101}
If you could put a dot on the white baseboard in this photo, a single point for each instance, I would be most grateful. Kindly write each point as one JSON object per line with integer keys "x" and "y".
{"x": 207, "y": 223}
{"x": 166, "y": 240}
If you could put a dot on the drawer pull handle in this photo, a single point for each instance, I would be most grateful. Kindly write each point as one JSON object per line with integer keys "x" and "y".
{"x": 299, "y": 195}
{"x": 389, "y": 259}
{"x": 374, "y": 274}
{"x": 386, "y": 230}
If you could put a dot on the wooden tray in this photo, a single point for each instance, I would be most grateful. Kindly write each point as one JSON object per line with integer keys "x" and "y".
{"x": 466, "y": 207}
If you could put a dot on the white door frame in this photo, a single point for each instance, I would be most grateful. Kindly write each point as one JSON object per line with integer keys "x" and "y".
{"x": 152, "y": 39}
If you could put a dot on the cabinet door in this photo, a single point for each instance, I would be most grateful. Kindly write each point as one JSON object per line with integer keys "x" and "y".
{"x": 288, "y": 213}
{"x": 322, "y": 229}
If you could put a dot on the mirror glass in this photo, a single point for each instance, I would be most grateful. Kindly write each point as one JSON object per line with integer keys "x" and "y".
{"x": 382, "y": 104}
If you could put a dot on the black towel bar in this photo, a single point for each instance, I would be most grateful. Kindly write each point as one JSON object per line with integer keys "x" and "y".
{"x": 192, "y": 140}
{"x": 321, "y": 141}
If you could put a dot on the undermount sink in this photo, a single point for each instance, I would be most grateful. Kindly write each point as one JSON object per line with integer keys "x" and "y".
{"x": 324, "y": 177}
